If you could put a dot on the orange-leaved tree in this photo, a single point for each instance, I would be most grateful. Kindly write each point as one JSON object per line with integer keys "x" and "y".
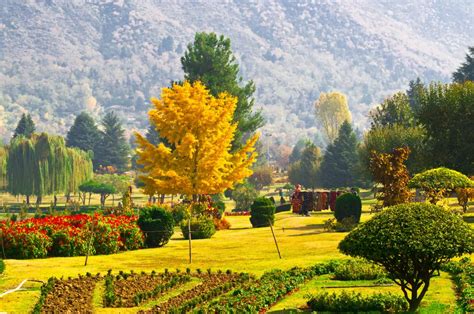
{"x": 195, "y": 155}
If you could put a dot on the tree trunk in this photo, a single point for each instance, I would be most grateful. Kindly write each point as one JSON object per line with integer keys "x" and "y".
{"x": 38, "y": 200}
{"x": 162, "y": 198}
{"x": 150, "y": 198}
{"x": 28, "y": 200}
{"x": 55, "y": 200}
{"x": 68, "y": 197}
{"x": 90, "y": 195}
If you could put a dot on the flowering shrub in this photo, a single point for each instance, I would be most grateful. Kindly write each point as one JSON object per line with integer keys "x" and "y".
{"x": 69, "y": 235}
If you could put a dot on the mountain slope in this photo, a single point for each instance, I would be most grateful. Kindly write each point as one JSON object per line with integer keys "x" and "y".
{"x": 58, "y": 58}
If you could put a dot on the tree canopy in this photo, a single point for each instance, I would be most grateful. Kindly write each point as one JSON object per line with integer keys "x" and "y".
{"x": 331, "y": 111}
{"x": 84, "y": 134}
{"x": 209, "y": 59}
{"x": 394, "y": 110}
{"x": 25, "y": 127}
{"x": 411, "y": 241}
{"x": 305, "y": 171}
{"x": 466, "y": 71}
{"x": 338, "y": 167}
{"x": 200, "y": 131}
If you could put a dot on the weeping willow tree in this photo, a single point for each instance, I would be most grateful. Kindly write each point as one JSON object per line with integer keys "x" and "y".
{"x": 43, "y": 165}
{"x": 3, "y": 167}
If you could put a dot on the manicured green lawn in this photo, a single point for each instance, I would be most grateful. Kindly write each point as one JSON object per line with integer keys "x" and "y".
{"x": 302, "y": 241}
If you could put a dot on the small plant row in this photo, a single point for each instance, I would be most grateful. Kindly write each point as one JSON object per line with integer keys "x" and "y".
{"x": 67, "y": 295}
{"x": 358, "y": 270}
{"x": 354, "y": 302}
{"x": 129, "y": 290}
{"x": 212, "y": 286}
{"x": 261, "y": 294}
{"x": 462, "y": 273}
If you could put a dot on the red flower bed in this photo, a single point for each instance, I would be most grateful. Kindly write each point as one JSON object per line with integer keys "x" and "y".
{"x": 70, "y": 235}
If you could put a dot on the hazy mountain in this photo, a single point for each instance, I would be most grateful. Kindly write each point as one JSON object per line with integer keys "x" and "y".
{"x": 58, "y": 58}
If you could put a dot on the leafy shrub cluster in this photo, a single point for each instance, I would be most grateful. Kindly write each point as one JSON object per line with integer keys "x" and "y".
{"x": 202, "y": 227}
{"x": 179, "y": 212}
{"x": 70, "y": 235}
{"x": 45, "y": 289}
{"x": 348, "y": 205}
{"x": 157, "y": 224}
{"x": 463, "y": 275}
{"x": 262, "y": 212}
{"x": 354, "y": 302}
{"x": 358, "y": 270}
{"x": 345, "y": 225}
{"x": 283, "y": 208}
{"x": 2, "y": 266}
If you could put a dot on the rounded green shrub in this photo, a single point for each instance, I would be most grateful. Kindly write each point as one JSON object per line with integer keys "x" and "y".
{"x": 348, "y": 205}
{"x": 201, "y": 228}
{"x": 157, "y": 225}
{"x": 179, "y": 212}
{"x": 262, "y": 212}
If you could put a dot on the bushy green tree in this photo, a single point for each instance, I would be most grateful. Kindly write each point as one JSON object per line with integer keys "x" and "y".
{"x": 393, "y": 110}
{"x": 210, "y": 60}
{"x": 84, "y": 134}
{"x": 466, "y": 71}
{"x": 26, "y": 126}
{"x": 261, "y": 176}
{"x": 338, "y": 167}
{"x": 113, "y": 149}
{"x": 157, "y": 224}
{"x": 447, "y": 115}
{"x": 244, "y": 195}
{"x": 417, "y": 239}
{"x": 415, "y": 91}
{"x": 305, "y": 171}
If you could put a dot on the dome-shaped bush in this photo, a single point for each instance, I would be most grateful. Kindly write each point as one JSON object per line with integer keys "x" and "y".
{"x": 157, "y": 225}
{"x": 201, "y": 228}
{"x": 262, "y": 212}
{"x": 348, "y": 205}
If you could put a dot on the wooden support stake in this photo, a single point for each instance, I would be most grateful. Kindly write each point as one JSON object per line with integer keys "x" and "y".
{"x": 274, "y": 238}
{"x": 189, "y": 237}
{"x": 90, "y": 244}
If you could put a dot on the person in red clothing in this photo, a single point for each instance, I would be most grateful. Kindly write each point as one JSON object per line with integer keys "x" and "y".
{"x": 296, "y": 199}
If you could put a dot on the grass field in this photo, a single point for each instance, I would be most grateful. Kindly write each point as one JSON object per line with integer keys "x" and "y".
{"x": 302, "y": 241}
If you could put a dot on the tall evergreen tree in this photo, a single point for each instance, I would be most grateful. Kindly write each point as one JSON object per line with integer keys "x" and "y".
{"x": 394, "y": 110}
{"x": 466, "y": 71}
{"x": 305, "y": 170}
{"x": 84, "y": 134}
{"x": 113, "y": 149}
{"x": 210, "y": 60}
{"x": 25, "y": 127}
{"x": 414, "y": 92}
{"x": 338, "y": 167}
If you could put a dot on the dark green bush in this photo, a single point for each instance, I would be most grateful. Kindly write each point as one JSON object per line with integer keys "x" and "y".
{"x": 179, "y": 212}
{"x": 348, "y": 205}
{"x": 2, "y": 266}
{"x": 354, "y": 302}
{"x": 262, "y": 212}
{"x": 220, "y": 205}
{"x": 201, "y": 228}
{"x": 157, "y": 225}
{"x": 283, "y": 208}
{"x": 358, "y": 270}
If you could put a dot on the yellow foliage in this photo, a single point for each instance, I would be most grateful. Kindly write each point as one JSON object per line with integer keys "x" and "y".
{"x": 331, "y": 111}
{"x": 199, "y": 130}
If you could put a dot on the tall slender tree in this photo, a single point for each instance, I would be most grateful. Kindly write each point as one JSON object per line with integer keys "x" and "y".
{"x": 113, "y": 149}
{"x": 466, "y": 71}
{"x": 331, "y": 111}
{"x": 209, "y": 59}
{"x": 3, "y": 167}
{"x": 338, "y": 168}
{"x": 415, "y": 92}
{"x": 305, "y": 170}
{"x": 25, "y": 127}
{"x": 84, "y": 134}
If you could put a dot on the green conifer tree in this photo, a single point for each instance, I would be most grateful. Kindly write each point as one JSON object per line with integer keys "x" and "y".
{"x": 26, "y": 126}
{"x": 466, "y": 71}
{"x": 84, "y": 134}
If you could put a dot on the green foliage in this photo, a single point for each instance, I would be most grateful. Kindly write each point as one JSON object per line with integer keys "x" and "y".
{"x": 201, "y": 228}
{"x": 96, "y": 187}
{"x": 84, "y": 134}
{"x": 157, "y": 224}
{"x": 305, "y": 171}
{"x": 348, "y": 205}
{"x": 462, "y": 272}
{"x": 466, "y": 71}
{"x": 355, "y": 302}
{"x": 394, "y": 110}
{"x": 446, "y": 113}
{"x": 414, "y": 92}
{"x": 45, "y": 289}
{"x": 358, "y": 270}
{"x": 411, "y": 241}
{"x": 262, "y": 212}
{"x": 437, "y": 182}
{"x": 210, "y": 60}
{"x": 283, "y": 208}
{"x": 261, "y": 177}
{"x": 244, "y": 195}
{"x": 340, "y": 160}
{"x": 113, "y": 149}
{"x": 26, "y": 127}
{"x": 3, "y": 168}
{"x": 179, "y": 212}
{"x": 2, "y": 266}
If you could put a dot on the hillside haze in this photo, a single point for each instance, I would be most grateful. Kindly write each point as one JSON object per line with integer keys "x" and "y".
{"x": 58, "y": 58}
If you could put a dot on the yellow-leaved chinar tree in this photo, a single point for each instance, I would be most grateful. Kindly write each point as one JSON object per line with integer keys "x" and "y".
{"x": 331, "y": 111}
{"x": 195, "y": 155}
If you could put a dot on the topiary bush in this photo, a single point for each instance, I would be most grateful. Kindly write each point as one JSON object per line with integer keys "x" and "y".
{"x": 283, "y": 208}
{"x": 262, "y": 212}
{"x": 201, "y": 228}
{"x": 157, "y": 224}
{"x": 348, "y": 205}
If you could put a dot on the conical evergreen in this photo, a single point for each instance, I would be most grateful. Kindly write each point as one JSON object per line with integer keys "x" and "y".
{"x": 84, "y": 133}
{"x": 25, "y": 127}
{"x": 466, "y": 71}
{"x": 339, "y": 161}
{"x": 113, "y": 149}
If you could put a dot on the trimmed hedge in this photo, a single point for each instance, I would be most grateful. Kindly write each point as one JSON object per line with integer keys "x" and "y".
{"x": 201, "y": 228}
{"x": 262, "y": 212}
{"x": 358, "y": 270}
{"x": 157, "y": 224}
{"x": 348, "y": 205}
{"x": 283, "y": 208}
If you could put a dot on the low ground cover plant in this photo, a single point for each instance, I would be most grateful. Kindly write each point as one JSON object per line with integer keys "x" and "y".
{"x": 70, "y": 235}
{"x": 462, "y": 272}
{"x": 358, "y": 270}
{"x": 354, "y": 302}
